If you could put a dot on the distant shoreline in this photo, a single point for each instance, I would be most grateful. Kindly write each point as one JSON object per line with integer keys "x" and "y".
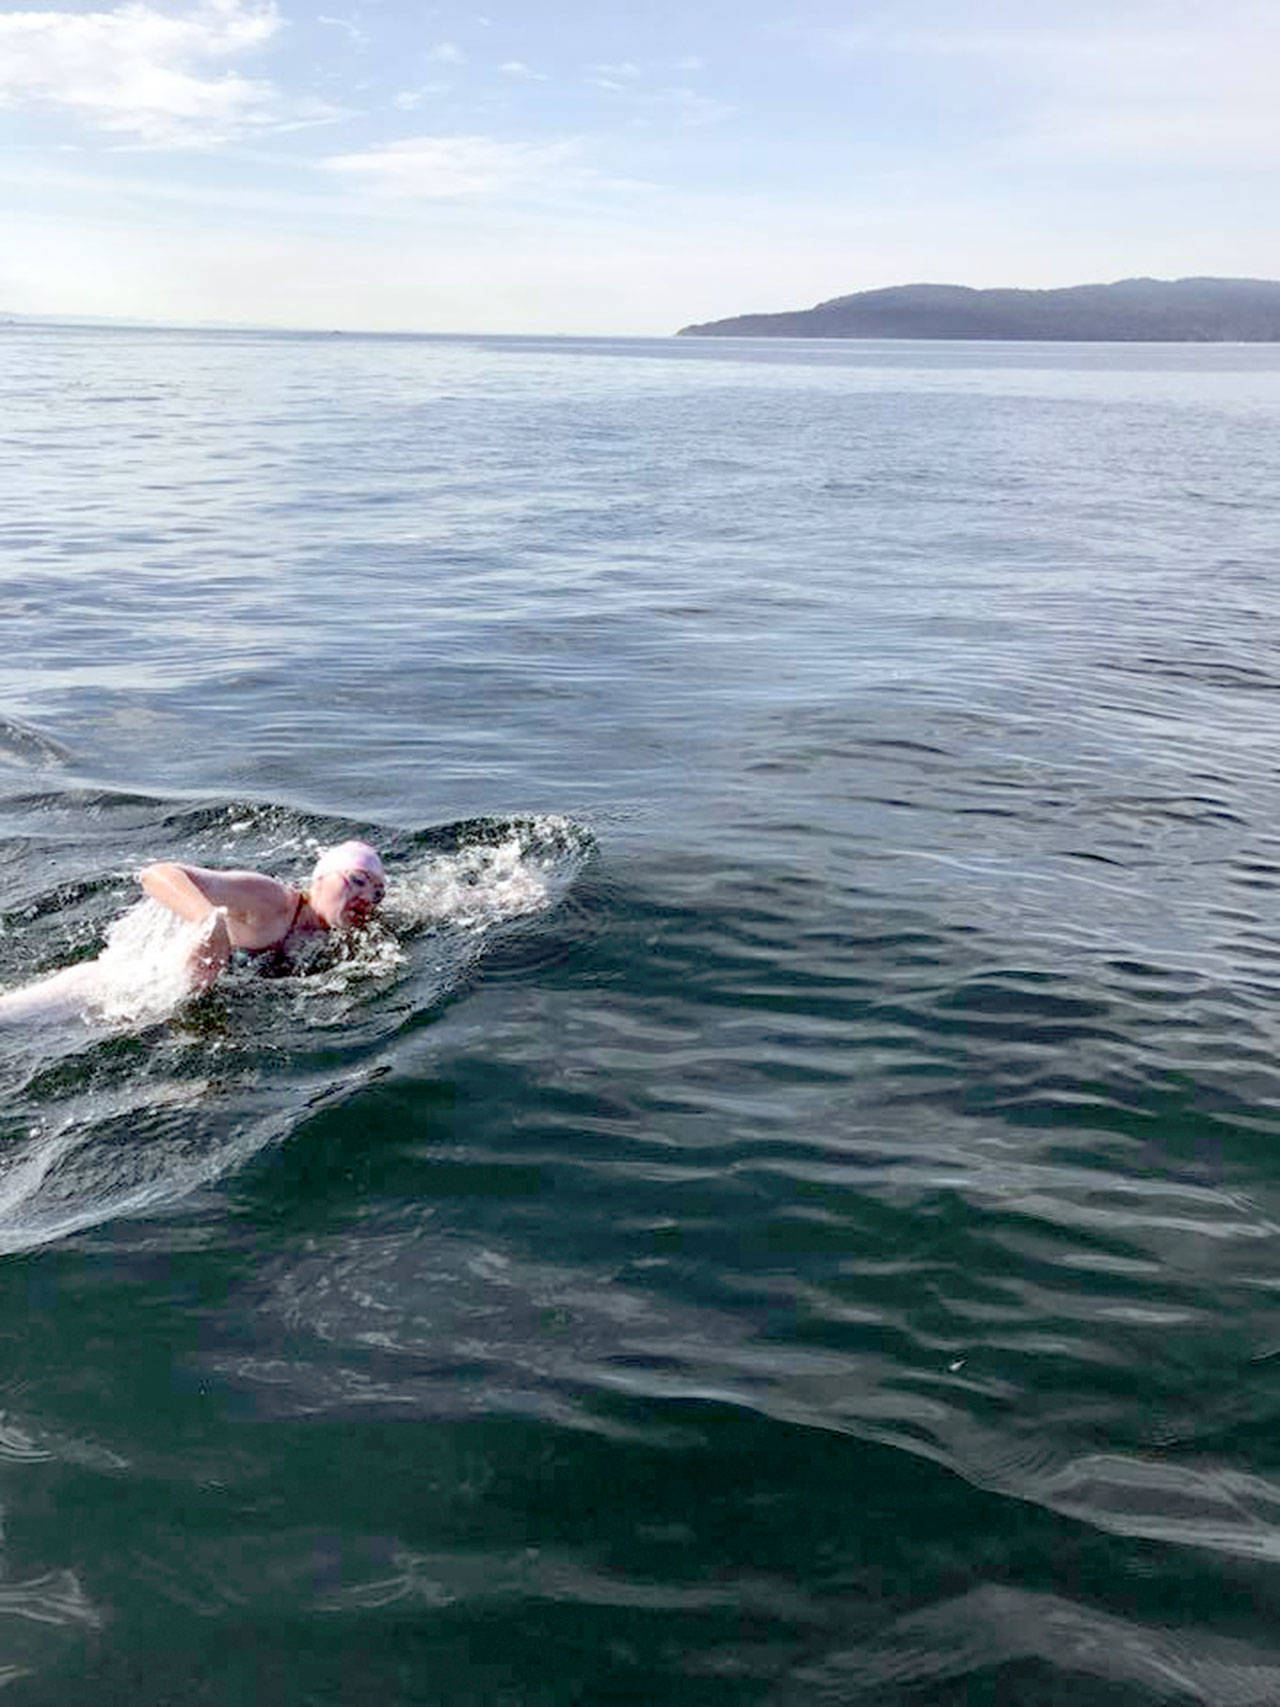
{"x": 1206, "y": 312}
{"x": 1131, "y": 311}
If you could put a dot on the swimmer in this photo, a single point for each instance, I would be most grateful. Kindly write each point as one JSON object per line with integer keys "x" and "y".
{"x": 244, "y": 909}
{"x": 230, "y": 910}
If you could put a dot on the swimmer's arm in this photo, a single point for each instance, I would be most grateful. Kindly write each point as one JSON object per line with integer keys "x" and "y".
{"x": 258, "y": 907}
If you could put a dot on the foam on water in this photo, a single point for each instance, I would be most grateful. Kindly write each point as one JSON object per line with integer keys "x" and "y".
{"x": 486, "y": 883}
{"x": 144, "y": 971}
{"x": 142, "y": 976}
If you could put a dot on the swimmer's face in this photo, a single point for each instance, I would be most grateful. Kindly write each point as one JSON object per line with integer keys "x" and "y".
{"x": 347, "y": 896}
{"x": 364, "y": 892}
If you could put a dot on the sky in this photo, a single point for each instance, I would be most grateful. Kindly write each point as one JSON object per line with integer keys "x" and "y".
{"x": 559, "y": 167}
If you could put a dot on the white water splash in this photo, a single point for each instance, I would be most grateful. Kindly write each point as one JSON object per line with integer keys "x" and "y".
{"x": 142, "y": 976}
{"x": 488, "y": 883}
{"x": 457, "y": 899}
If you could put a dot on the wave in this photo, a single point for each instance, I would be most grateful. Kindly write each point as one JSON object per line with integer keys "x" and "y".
{"x": 997, "y": 1628}
{"x": 23, "y": 744}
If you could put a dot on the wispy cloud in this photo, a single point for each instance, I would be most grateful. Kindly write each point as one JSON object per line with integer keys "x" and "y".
{"x": 518, "y": 68}
{"x": 653, "y": 102}
{"x": 1191, "y": 93}
{"x": 149, "y": 76}
{"x": 614, "y": 77}
{"x": 692, "y": 109}
{"x": 406, "y": 100}
{"x": 359, "y": 38}
{"x": 1150, "y": 86}
{"x": 442, "y": 167}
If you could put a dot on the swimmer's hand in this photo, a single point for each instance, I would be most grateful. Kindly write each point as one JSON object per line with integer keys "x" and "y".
{"x": 211, "y": 950}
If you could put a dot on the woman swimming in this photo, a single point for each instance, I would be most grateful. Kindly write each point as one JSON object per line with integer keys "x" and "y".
{"x": 231, "y": 910}
{"x": 244, "y": 909}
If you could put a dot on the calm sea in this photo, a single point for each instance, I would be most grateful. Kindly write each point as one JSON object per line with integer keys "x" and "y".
{"x": 787, "y": 1209}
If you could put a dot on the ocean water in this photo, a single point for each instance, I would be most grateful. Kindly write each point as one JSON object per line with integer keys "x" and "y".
{"x": 786, "y": 1206}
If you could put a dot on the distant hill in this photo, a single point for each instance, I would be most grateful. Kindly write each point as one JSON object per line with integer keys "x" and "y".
{"x": 1199, "y": 311}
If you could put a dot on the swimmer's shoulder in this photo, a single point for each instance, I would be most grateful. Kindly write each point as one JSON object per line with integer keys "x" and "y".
{"x": 261, "y": 911}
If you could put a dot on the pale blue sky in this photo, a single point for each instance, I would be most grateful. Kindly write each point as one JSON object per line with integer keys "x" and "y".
{"x": 613, "y": 168}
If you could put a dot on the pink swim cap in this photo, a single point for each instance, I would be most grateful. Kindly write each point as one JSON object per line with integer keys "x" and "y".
{"x": 347, "y": 857}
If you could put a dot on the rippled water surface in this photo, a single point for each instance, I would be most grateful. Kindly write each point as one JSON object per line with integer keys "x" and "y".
{"x": 786, "y": 1207}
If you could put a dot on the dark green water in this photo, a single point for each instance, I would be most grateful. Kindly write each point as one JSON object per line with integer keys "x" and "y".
{"x": 788, "y": 1208}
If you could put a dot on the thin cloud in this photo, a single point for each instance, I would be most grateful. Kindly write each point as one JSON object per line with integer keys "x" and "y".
{"x": 1150, "y": 87}
{"x": 661, "y": 103}
{"x": 406, "y": 100}
{"x": 1185, "y": 94}
{"x": 447, "y": 167}
{"x": 358, "y": 38}
{"x": 149, "y": 76}
{"x": 693, "y": 110}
